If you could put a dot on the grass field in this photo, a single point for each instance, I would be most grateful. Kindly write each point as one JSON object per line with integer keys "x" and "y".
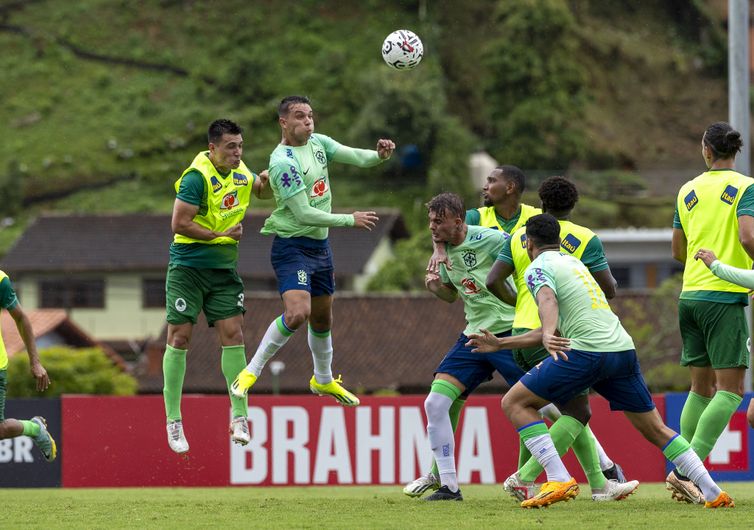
{"x": 352, "y": 507}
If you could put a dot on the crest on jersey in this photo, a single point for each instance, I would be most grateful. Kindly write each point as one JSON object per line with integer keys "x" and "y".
{"x": 180, "y": 305}
{"x": 319, "y": 188}
{"x": 320, "y": 156}
{"x": 469, "y": 258}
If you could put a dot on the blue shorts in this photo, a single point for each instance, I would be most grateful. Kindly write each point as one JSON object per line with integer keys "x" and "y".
{"x": 473, "y": 369}
{"x": 616, "y": 376}
{"x": 303, "y": 263}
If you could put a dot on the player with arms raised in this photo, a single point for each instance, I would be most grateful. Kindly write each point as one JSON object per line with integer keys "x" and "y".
{"x": 301, "y": 254}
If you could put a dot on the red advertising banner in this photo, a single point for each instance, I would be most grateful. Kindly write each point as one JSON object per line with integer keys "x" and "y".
{"x": 304, "y": 440}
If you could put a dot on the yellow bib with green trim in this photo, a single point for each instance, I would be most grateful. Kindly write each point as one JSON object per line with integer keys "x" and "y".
{"x": 227, "y": 199}
{"x": 3, "y": 352}
{"x": 488, "y": 218}
{"x": 573, "y": 240}
{"x": 707, "y": 210}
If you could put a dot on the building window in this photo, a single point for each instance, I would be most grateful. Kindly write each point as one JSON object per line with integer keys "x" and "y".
{"x": 153, "y": 293}
{"x": 622, "y": 275}
{"x": 72, "y": 293}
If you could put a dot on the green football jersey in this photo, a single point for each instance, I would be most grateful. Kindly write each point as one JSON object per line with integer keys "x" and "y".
{"x": 584, "y": 315}
{"x": 472, "y": 260}
{"x": 304, "y": 169}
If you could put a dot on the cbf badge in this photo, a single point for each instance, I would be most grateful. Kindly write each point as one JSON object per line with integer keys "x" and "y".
{"x": 469, "y": 258}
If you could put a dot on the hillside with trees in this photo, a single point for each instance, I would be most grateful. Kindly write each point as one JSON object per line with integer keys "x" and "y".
{"x": 106, "y": 101}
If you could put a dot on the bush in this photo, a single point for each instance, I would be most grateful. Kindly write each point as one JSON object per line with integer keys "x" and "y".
{"x": 71, "y": 371}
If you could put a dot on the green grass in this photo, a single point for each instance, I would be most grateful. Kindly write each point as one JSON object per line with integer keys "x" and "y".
{"x": 351, "y": 507}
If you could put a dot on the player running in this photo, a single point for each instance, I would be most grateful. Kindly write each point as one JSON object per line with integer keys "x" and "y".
{"x": 559, "y": 197}
{"x": 301, "y": 254}
{"x": 588, "y": 348}
{"x": 473, "y": 249}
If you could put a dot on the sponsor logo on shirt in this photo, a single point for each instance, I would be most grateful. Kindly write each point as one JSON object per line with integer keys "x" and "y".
{"x": 523, "y": 240}
{"x": 729, "y": 194}
{"x": 319, "y": 188}
{"x": 469, "y": 258}
{"x": 570, "y": 243}
{"x": 230, "y": 200}
{"x": 240, "y": 180}
{"x": 470, "y": 286}
{"x": 287, "y": 179}
{"x": 691, "y": 200}
{"x": 216, "y": 186}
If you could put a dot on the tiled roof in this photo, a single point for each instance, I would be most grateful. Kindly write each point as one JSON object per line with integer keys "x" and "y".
{"x": 44, "y": 321}
{"x": 140, "y": 242}
{"x": 380, "y": 342}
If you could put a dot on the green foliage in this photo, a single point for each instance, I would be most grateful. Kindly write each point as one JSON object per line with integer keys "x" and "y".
{"x": 71, "y": 371}
{"x": 412, "y": 110}
{"x": 537, "y": 85}
{"x": 405, "y": 271}
{"x": 653, "y": 324}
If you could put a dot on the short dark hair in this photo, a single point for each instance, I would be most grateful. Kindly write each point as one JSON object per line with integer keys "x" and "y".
{"x": 447, "y": 204}
{"x": 286, "y": 102}
{"x": 543, "y": 229}
{"x": 723, "y": 139}
{"x": 515, "y": 175}
{"x": 219, "y": 127}
{"x": 558, "y": 195}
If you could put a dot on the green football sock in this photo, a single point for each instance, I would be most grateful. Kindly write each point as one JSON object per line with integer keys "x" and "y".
{"x": 713, "y": 420}
{"x": 523, "y": 453}
{"x": 692, "y": 410}
{"x": 233, "y": 361}
{"x": 173, "y": 370}
{"x": 563, "y": 432}
{"x": 454, "y": 413}
{"x": 30, "y": 428}
{"x": 586, "y": 451}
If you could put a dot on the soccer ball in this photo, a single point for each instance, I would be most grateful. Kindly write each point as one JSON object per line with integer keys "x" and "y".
{"x": 402, "y": 49}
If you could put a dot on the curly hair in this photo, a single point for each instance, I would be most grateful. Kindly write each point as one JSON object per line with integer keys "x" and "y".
{"x": 543, "y": 229}
{"x": 558, "y": 194}
{"x": 447, "y": 204}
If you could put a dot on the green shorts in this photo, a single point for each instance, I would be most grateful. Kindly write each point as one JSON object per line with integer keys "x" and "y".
{"x": 528, "y": 358}
{"x": 217, "y": 292}
{"x": 3, "y": 384}
{"x": 714, "y": 334}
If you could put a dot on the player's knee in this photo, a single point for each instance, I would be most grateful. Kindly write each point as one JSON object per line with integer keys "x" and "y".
{"x": 295, "y": 318}
{"x": 435, "y": 407}
{"x": 509, "y": 404}
{"x": 179, "y": 342}
{"x": 4, "y": 430}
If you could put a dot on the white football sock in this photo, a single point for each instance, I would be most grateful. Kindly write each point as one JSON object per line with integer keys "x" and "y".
{"x": 321, "y": 348}
{"x": 272, "y": 341}
{"x": 441, "y": 437}
{"x": 542, "y": 448}
{"x": 690, "y": 465}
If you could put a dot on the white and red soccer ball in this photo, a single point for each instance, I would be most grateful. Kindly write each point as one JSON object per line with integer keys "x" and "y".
{"x": 402, "y": 49}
